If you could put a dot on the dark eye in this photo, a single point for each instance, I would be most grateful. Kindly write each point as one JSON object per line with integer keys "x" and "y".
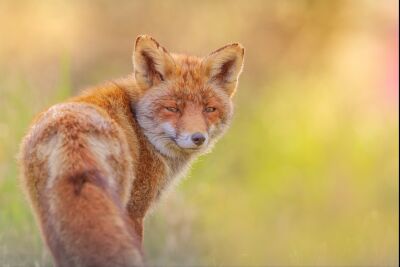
{"x": 210, "y": 109}
{"x": 172, "y": 109}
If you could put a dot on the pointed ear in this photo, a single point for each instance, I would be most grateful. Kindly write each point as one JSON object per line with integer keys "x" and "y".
{"x": 152, "y": 62}
{"x": 224, "y": 66}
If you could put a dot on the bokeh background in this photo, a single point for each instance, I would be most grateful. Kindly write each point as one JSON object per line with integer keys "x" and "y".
{"x": 308, "y": 173}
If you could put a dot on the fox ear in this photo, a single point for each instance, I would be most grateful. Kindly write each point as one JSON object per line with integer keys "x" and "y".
{"x": 152, "y": 62}
{"x": 224, "y": 66}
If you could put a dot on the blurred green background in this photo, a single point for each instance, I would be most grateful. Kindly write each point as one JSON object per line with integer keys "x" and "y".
{"x": 308, "y": 173}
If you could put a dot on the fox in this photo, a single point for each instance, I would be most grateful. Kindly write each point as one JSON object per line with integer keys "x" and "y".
{"x": 93, "y": 166}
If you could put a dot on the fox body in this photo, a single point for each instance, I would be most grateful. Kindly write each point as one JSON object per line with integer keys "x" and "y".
{"x": 94, "y": 165}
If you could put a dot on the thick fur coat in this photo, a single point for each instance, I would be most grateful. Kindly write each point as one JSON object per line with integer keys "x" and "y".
{"x": 94, "y": 165}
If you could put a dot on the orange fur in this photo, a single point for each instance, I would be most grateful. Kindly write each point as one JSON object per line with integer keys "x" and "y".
{"x": 94, "y": 165}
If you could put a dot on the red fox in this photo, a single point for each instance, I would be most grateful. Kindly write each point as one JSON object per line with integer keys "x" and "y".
{"x": 94, "y": 165}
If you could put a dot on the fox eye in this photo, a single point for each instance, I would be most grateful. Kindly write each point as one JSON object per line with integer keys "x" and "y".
{"x": 210, "y": 109}
{"x": 172, "y": 109}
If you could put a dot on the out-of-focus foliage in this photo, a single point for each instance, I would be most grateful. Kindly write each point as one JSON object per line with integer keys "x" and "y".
{"x": 308, "y": 173}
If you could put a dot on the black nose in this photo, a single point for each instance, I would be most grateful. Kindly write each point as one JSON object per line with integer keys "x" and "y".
{"x": 198, "y": 138}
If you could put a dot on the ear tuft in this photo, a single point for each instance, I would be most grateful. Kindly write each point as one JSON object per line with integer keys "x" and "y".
{"x": 146, "y": 39}
{"x": 152, "y": 62}
{"x": 224, "y": 65}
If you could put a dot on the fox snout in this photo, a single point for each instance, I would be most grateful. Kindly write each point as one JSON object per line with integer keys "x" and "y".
{"x": 186, "y": 139}
{"x": 192, "y": 140}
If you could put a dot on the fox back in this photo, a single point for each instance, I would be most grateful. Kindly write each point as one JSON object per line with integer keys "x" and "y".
{"x": 94, "y": 165}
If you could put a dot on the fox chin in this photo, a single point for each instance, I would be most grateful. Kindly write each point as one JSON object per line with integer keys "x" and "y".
{"x": 94, "y": 165}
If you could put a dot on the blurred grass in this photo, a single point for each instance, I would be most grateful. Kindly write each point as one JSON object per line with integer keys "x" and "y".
{"x": 308, "y": 173}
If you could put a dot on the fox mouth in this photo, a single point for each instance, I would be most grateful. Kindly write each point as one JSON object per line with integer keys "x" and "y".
{"x": 192, "y": 149}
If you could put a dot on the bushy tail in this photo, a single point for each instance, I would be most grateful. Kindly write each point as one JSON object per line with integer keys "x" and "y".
{"x": 85, "y": 223}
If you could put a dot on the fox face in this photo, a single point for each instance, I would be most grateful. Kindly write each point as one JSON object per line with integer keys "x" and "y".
{"x": 186, "y": 102}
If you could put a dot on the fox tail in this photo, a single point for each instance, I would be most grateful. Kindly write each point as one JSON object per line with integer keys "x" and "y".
{"x": 84, "y": 223}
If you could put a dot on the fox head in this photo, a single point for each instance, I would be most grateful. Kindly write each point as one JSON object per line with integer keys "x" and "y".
{"x": 185, "y": 101}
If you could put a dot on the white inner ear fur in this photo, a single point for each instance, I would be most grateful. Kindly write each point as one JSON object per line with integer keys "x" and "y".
{"x": 228, "y": 65}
